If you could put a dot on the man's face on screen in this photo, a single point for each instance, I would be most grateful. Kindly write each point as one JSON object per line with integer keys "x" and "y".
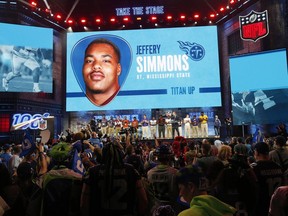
{"x": 101, "y": 69}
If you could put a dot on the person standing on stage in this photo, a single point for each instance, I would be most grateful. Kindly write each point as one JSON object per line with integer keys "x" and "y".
{"x": 175, "y": 124}
{"x": 161, "y": 126}
{"x": 168, "y": 121}
{"x": 187, "y": 126}
{"x": 135, "y": 125}
{"x": 117, "y": 125}
{"x": 195, "y": 126}
{"x": 110, "y": 126}
{"x": 153, "y": 126}
{"x": 217, "y": 126}
{"x": 104, "y": 125}
{"x": 228, "y": 123}
{"x": 125, "y": 123}
{"x": 203, "y": 119}
{"x": 145, "y": 127}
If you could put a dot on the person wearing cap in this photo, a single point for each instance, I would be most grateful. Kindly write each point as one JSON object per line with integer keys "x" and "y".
{"x": 192, "y": 186}
{"x": 5, "y": 157}
{"x": 269, "y": 176}
{"x": 162, "y": 177}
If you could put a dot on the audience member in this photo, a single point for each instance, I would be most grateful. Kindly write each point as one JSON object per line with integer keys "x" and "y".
{"x": 279, "y": 202}
{"x": 162, "y": 177}
{"x": 207, "y": 159}
{"x": 6, "y": 155}
{"x": 15, "y": 160}
{"x": 193, "y": 188}
{"x": 280, "y": 155}
{"x": 113, "y": 177}
{"x": 269, "y": 176}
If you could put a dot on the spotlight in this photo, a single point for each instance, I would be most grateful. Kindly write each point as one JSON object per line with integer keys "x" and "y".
{"x": 169, "y": 17}
{"x": 33, "y": 3}
{"x": 182, "y": 17}
{"x": 70, "y": 21}
{"x": 58, "y": 16}
{"x": 153, "y": 18}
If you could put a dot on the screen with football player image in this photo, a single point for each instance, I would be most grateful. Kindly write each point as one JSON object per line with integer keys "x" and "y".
{"x": 143, "y": 69}
{"x": 26, "y": 60}
{"x": 259, "y": 87}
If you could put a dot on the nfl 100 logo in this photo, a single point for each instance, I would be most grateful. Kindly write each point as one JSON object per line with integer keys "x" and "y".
{"x": 254, "y": 26}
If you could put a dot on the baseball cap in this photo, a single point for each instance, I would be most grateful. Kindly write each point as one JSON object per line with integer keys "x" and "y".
{"x": 262, "y": 148}
{"x": 6, "y": 146}
{"x": 192, "y": 174}
{"x": 162, "y": 150}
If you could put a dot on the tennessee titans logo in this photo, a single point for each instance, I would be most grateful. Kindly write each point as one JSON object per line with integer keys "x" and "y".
{"x": 195, "y": 51}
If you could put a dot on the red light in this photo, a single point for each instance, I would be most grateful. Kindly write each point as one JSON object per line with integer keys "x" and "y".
{"x": 112, "y": 20}
{"x": 70, "y": 21}
{"x": 98, "y": 20}
{"x": 83, "y": 21}
{"x": 4, "y": 123}
{"x": 33, "y": 3}
{"x": 212, "y": 15}
{"x": 196, "y": 16}
{"x": 58, "y": 16}
{"x": 169, "y": 17}
{"x": 182, "y": 17}
{"x": 222, "y": 9}
{"x": 232, "y": 1}
{"x": 154, "y": 18}
{"x": 126, "y": 19}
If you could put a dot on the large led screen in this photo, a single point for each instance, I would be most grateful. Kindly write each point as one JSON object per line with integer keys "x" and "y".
{"x": 155, "y": 68}
{"x": 259, "y": 87}
{"x": 26, "y": 56}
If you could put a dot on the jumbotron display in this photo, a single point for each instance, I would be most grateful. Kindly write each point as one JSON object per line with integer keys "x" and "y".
{"x": 143, "y": 69}
{"x": 26, "y": 56}
{"x": 259, "y": 87}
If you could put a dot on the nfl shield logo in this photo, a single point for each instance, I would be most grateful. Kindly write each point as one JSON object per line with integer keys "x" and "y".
{"x": 42, "y": 124}
{"x": 254, "y": 26}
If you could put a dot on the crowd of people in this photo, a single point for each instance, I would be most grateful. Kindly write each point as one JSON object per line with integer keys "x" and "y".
{"x": 90, "y": 173}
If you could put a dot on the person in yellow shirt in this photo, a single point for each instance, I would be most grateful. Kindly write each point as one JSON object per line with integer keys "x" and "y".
{"x": 203, "y": 119}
